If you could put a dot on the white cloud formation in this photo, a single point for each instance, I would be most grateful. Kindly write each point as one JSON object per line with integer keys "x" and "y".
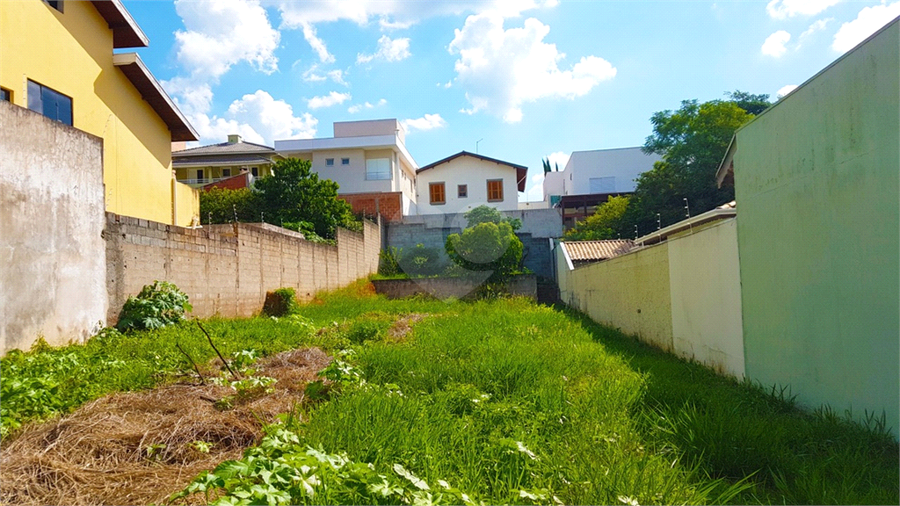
{"x": 190, "y": 95}
{"x": 535, "y": 189}
{"x": 257, "y": 118}
{"x": 425, "y": 123}
{"x": 784, "y": 90}
{"x": 503, "y": 69}
{"x": 353, "y": 109}
{"x": 783, "y": 9}
{"x": 333, "y": 98}
{"x": 816, "y": 27}
{"x": 558, "y": 158}
{"x": 315, "y": 74}
{"x": 867, "y": 22}
{"x": 774, "y": 44}
{"x": 318, "y": 45}
{"x": 218, "y": 35}
{"x": 394, "y": 14}
{"x": 388, "y": 50}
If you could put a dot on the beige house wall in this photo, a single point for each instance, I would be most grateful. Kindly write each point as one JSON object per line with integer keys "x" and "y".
{"x": 472, "y": 172}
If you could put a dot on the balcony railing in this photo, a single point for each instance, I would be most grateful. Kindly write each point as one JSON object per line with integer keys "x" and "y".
{"x": 197, "y": 183}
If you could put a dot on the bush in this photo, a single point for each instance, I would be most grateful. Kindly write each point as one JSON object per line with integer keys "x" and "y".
{"x": 389, "y": 261}
{"x": 422, "y": 261}
{"x": 487, "y": 247}
{"x": 157, "y": 305}
{"x": 281, "y": 302}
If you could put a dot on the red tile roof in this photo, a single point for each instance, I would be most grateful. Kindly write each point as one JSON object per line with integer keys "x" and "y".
{"x": 589, "y": 251}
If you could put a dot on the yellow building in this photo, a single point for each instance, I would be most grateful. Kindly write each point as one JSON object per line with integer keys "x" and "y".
{"x": 56, "y": 58}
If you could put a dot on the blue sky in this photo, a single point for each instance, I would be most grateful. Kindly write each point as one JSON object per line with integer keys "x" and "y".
{"x": 524, "y": 79}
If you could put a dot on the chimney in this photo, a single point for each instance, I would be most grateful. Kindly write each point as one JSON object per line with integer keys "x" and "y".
{"x": 234, "y": 139}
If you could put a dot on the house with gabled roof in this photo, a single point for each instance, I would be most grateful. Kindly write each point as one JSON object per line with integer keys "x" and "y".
{"x": 58, "y": 61}
{"x": 207, "y": 165}
{"x": 464, "y": 181}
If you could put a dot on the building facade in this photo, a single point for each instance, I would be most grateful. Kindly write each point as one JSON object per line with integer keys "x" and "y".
{"x": 57, "y": 60}
{"x": 466, "y": 180}
{"x": 208, "y": 165}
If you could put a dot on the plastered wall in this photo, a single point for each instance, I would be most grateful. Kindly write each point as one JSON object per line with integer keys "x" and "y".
{"x": 52, "y": 279}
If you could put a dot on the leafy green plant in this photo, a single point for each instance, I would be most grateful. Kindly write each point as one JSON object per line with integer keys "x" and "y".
{"x": 156, "y": 306}
{"x": 389, "y": 261}
{"x": 281, "y": 302}
{"x": 487, "y": 247}
{"x": 421, "y": 261}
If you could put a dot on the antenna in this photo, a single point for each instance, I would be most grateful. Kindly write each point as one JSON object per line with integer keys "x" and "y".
{"x": 476, "y": 144}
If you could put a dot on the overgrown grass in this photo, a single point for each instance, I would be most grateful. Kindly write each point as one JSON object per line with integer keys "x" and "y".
{"x": 48, "y": 381}
{"x": 500, "y": 401}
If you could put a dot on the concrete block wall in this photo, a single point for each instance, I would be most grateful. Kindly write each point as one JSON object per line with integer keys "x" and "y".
{"x": 226, "y": 270}
{"x": 51, "y": 219}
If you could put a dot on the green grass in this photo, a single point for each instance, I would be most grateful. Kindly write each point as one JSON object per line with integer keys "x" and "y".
{"x": 499, "y": 401}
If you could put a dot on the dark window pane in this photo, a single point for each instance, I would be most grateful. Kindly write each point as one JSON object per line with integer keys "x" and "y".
{"x": 63, "y": 108}
{"x": 4, "y": 94}
{"x": 56, "y": 4}
{"x": 34, "y": 97}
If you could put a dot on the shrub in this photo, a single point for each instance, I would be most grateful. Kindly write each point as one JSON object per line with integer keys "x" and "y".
{"x": 281, "y": 302}
{"x": 157, "y": 305}
{"x": 422, "y": 261}
{"x": 487, "y": 247}
{"x": 389, "y": 261}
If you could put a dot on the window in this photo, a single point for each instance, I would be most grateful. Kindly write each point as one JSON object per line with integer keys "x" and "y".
{"x": 254, "y": 171}
{"x": 436, "y": 193}
{"x": 495, "y": 190}
{"x": 462, "y": 191}
{"x": 345, "y": 161}
{"x": 226, "y": 172}
{"x": 50, "y": 103}
{"x": 5, "y": 95}
{"x": 603, "y": 184}
{"x": 56, "y": 4}
{"x": 199, "y": 174}
{"x": 329, "y": 162}
{"x": 378, "y": 169}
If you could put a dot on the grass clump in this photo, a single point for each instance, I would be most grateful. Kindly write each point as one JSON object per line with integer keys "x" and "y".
{"x": 157, "y": 305}
{"x": 281, "y": 302}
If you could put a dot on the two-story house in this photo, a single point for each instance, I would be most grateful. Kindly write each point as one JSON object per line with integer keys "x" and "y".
{"x": 57, "y": 59}
{"x": 368, "y": 160}
{"x": 466, "y": 180}
{"x": 207, "y": 165}
{"x": 591, "y": 177}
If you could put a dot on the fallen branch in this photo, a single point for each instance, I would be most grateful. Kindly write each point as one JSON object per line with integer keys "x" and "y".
{"x": 236, "y": 376}
{"x": 202, "y": 379}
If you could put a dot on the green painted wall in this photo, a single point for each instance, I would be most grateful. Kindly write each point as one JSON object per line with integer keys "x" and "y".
{"x": 817, "y": 186}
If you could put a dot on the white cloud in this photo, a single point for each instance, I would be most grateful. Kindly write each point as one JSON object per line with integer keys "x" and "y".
{"x": 867, "y": 22}
{"x": 535, "y": 190}
{"x": 816, "y": 27}
{"x": 318, "y": 45}
{"x": 333, "y": 98}
{"x": 190, "y": 95}
{"x": 784, "y": 90}
{"x": 783, "y": 9}
{"x": 503, "y": 69}
{"x": 558, "y": 158}
{"x": 774, "y": 44}
{"x": 425, "y": 123}
{"x": 353, "y": 109}
{"x": 257, "y": 118}
{"x": 221, "y": 34}
{"x": 395, "y": 14}
{"x": 388, "y": 50}
{"x": 315, "y": 74}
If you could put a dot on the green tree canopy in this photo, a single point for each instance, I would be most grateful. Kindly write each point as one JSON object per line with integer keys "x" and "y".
{"x": 487, "y": 246}
{"x": 488, "y": 214}
{"x": 293, "y": 197}
{"x": 603, "y": 224}
{"x": 692, "y": 142}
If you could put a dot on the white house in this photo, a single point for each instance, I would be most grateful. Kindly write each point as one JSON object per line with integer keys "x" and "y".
{"x": 601, "y": 171}
{"x": 466, "y": 180}
{"x": 370, "y": 162}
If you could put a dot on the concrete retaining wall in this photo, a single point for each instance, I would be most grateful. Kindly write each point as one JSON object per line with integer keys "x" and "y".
{"x": 51, "y": 218}
{"x": 443, "y": 288}
{"x": 226, "y": 270}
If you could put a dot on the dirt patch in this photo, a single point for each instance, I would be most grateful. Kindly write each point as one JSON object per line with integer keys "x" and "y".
{"x": 139, "y": 448}
{"x": 403, "y": 326}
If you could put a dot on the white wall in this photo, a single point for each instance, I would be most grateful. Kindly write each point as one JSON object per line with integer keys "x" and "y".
{"x": 554, "y": 184}
{"x": 705, "y": 284}
{"x": 470, "y": 171}
{"x": 624, "y": 164}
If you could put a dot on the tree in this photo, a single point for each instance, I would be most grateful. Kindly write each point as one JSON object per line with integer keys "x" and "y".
{"x": 487, "y": 247}
{"x": 546, "y": 162}
{"x": 692, "y": 142}
{"x": 296, "y": 196}
{"x": 603, "y": 224}
{"x": 220, "y": 205}
{"x": 488, "y": 214}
